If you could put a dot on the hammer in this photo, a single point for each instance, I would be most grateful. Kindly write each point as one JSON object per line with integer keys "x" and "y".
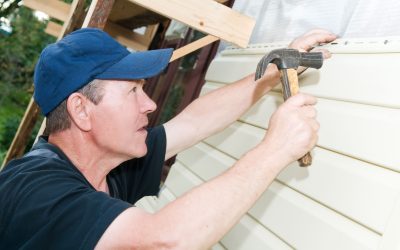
{"x": 287, "y": 61}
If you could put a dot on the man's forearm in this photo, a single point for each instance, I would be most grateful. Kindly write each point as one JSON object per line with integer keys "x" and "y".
{"x": 203, "y": 215}
{"x": 214, "y": 111}
{"x": 222, "y": 106}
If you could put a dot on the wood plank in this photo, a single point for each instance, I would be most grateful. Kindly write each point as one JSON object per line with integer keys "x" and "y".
{"x": 41, "y": 129}
{"x": 75, "y": 18}
{"x": 98, "y": 13}
{"x": 151, "y": 31}
{"x": 123, "y": 9}
{"x": 53, "y": 29}
{"x": 54, "y": 8}
{"x": 127, "y": 37}
{"x": 207, "y": 16}
{"x": 124, "y": 36}
{"x": 76, "y": 12}
{"x": 189, "y": 48}
{"x": 97, "y": 17}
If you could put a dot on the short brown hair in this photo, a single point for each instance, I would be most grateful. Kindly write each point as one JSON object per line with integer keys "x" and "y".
{"x": 59, "y": 120}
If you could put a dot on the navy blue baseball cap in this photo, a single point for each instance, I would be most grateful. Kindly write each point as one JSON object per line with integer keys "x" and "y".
{"x": 87, "y": 54}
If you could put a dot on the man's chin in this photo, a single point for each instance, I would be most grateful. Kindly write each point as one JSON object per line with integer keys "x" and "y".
{"x": 139, "y": 153}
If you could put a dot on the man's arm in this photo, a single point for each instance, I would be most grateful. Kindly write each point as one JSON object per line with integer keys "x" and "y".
{"x": 214, "y": 111}
{"x": 198, "y": 219}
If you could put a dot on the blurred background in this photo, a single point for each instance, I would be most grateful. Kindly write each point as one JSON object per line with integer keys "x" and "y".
{"x": 22, "y": 38}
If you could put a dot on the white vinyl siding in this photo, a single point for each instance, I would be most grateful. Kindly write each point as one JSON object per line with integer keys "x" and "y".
{"x": 349, "y": 197}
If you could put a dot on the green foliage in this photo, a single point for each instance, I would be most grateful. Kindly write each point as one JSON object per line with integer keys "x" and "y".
{"x": 7, "y": 134}
{"x": 7, "y": 7}
{"x": 19, "y": 52}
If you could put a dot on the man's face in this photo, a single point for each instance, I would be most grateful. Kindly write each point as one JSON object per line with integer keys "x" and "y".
{"x": 120, "y": 119}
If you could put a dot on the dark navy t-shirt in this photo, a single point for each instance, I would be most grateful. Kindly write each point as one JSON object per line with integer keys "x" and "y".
{"x": 46, "y": 203}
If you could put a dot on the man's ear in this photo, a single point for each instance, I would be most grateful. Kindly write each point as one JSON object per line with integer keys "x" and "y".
{"x": 78, "y": 107}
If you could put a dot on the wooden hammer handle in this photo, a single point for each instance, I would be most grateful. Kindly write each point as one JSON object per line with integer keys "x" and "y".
{"x": 290, "y": 86}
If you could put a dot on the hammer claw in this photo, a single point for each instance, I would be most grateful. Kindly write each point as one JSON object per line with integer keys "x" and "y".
{"x": 260, "y": 68}
{"x": 287, "y": 61}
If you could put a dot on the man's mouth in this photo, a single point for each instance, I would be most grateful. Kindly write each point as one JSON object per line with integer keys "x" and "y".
{"x": 144, "y": 128}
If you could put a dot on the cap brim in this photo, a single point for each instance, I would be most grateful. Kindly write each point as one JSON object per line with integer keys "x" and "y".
{"x": 138, "y": 65}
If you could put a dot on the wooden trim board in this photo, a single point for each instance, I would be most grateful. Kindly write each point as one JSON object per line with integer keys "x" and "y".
{"x": 207, "y": 16}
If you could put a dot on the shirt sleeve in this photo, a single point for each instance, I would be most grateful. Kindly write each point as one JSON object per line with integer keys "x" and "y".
{"x": 140, "y": 177}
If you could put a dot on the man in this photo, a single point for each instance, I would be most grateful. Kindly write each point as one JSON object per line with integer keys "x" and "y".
{"x": 75, "y": 189}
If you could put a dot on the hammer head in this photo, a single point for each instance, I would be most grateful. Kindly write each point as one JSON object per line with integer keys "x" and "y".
{"x": 289, "y": 59}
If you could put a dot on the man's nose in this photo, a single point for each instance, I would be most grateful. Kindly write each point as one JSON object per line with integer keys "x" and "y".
{"x": 147, "y": 105}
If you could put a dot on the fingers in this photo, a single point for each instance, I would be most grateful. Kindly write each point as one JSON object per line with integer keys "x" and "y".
{"x": 293, "y": 128}
{"x": 309, "y": 111}
{"x": 320, "y": 38}
{"x": 301, "y": 99}
{"x": 270, "y": 76}
{"x": 314, "y": 124}
{"x": 307, "y": 41}
{"x": 306, "y": 104}
{"x": 325, "y": 53}
{"x": 272, "y": 73}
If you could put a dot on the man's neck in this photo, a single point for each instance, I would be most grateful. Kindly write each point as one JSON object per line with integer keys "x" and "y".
{"x": 89, "y": 159}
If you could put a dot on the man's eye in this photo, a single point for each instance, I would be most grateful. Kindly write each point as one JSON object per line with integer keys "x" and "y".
{"x": 134, "y": 89}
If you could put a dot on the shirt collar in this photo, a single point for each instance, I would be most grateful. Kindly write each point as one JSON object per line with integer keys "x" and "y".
{"x": 43, "y": 143}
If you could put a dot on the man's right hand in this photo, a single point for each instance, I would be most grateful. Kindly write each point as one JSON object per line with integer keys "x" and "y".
{"x": 292, "y": 130}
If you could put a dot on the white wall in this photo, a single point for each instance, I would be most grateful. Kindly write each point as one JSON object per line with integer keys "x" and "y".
{"x": 282, "y": 20}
